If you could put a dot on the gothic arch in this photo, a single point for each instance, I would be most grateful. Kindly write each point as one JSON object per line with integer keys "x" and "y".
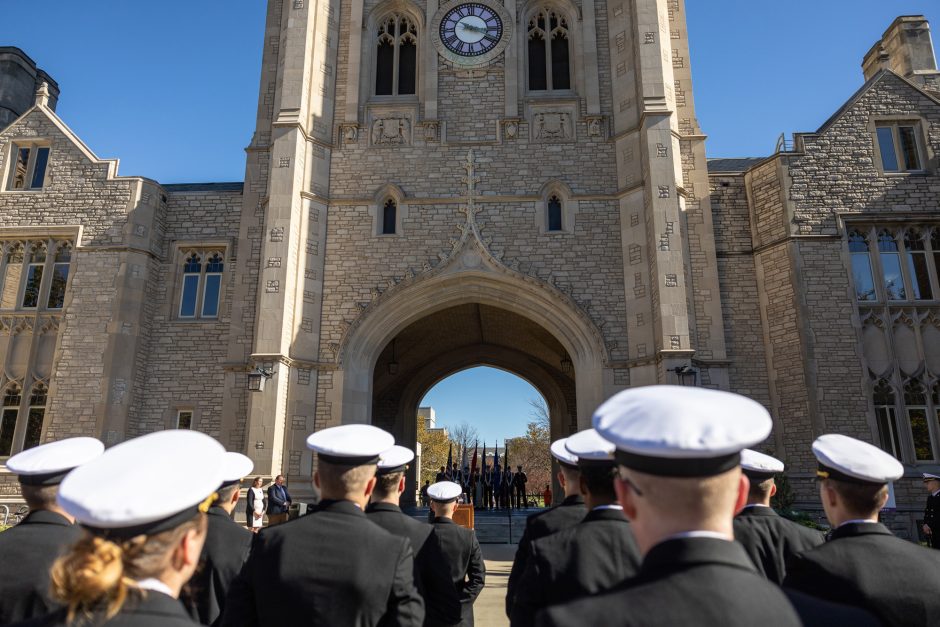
{"x": 381, "y": 12}
{"x": 387, "y": 192}
{"x": 556, "y": 188}
{"x": 572, "y": 15}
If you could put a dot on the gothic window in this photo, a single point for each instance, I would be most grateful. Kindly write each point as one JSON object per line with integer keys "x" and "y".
{"x": 34, "y": 271}
{"x": 890, "y": 256}
{"x": 201, "y": 287}
{"x": 184, "y": 419}
{"x": 861, "y": 266}
{"x": 28, "y": 167}
{"x": 389, "y": 217}
{"x": 915, "y": 404}
{"x": 8, "y": 416}
{"x": 886, "y": 417}
{"x": 396, "y": 57}
{"x": 554, "y": 213}
{"x": 918, "y": 265}
{"x": 34, "y": 419}
{"x": 549, "y": 56}
{"x": 60, "y": 276}
{"x": 898, "y": 147}
{"x": 12, "y": 273}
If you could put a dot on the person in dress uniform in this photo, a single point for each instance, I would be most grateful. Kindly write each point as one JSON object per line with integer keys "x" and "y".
{"x": 566, "y": 514}
{"x": 506, "y": 488}
{"x": 225, "y": 550}
{"x": 30, "y": 548}
{"x": 431, "y": 573}
{"x": 863, "y": 563}
{"x": 332, "y": 566}
{"x": 142, "y": 504}
{"x": 592, "y": 556}
{"x": 488, "y": 487}
{"x": 932, "y": 511}
{"x": 769, "y": 539}
{"x": 680, "y": 484}
{"x": 460, "y": 547}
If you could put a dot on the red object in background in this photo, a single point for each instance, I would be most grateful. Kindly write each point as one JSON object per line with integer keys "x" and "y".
{"x": 547, "y": 496}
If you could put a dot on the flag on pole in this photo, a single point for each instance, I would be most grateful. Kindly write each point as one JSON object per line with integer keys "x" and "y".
{"x": 450, "y": 459}
{"x": 484, "y": 455}
{"x": 473, "y": 463}
{"x": 464, "y": 462}
{"x": 497, "y": 471}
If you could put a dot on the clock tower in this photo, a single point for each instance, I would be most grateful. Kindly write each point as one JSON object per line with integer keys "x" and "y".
{"x": 433, "y": 185}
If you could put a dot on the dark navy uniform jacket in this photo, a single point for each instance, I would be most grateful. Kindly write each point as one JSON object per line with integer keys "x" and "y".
{"x": 331, "y": 567}
{"x": 865, "y": 565}
{"x": 770, "y": 540}
{"x": 432, "y": 574}
{"x": 706, "y": 582}
{"x": 463, "y": 555}
{"x": 566, "y": 514}
{"x": 223, "y": 555}
{"x": 27, "y": 552}
{"x": 595, "y": 555}
{"x": 932, "y": 519}
{"x": 155, "y": 609}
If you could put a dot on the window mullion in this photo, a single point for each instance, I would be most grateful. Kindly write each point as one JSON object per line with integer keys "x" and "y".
{"x": 200, "y": 290}
{"x": 898, "y": 148}
{"x": 548, "y": 54}
{"x": 395, "y": 57}
{"x": 874, "y": 256}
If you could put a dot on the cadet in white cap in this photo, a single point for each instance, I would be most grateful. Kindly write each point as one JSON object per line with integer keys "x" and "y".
{"x": 226, "y": 548}
{"x": 460, "y": 547}
{"x": 592, "y": 556}
{"x": 680, "y": 484}
{"x": 332, "y": 566}
{"x": 33, "y": 545}
{"x": 863, "y": 563}
{"x": 932, "y": 510}
{"x": 769, "y": 539}
{"x": 431, "y": 572}
{"x": 566, "y": 514}
{"x": 143, "y": 506}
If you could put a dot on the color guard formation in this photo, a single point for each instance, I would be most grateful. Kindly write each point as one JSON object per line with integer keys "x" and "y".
{"x": 665, "y": 521}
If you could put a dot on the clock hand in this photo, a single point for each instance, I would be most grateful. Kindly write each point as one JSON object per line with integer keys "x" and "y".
{"x": 475, "y": 29}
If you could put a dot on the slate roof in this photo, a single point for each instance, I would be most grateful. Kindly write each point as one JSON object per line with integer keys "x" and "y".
{"x": 237, "y": 186}
{"x": 732, "y": 165}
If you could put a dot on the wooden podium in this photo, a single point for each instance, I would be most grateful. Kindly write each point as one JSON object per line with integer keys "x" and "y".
{"x": 463, "y": 515}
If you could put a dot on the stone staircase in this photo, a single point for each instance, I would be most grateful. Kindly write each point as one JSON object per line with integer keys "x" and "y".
{"x": 491, "y": 526}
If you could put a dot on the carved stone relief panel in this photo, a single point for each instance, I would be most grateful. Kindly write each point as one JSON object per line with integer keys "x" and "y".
{"x": 551, "y": 123}
{"x": 389, "y": 127}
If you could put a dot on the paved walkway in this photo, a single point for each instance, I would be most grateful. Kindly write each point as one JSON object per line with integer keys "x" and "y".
{"x": 490, "y": 607}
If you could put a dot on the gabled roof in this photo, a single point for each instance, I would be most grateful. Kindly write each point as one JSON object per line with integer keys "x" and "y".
{"x": 716, "y": 166}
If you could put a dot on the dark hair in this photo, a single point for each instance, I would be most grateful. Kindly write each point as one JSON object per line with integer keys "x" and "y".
{"x": 39, "y": 496}
{"x": 861, "y": 499}
{"x": 225, "y": 494}
{"x": 599, "y": 481}
{"x": 387, "y": 484}
{"x": 760, "y": 489}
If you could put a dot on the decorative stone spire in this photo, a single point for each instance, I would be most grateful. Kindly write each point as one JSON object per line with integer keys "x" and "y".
{"x": 42, "y": 94}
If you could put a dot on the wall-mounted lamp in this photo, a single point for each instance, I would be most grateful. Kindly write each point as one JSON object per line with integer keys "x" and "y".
{"x": 566, "y": 365}
{"x": 257, "y": 378}
{"x": 687, "y": 375}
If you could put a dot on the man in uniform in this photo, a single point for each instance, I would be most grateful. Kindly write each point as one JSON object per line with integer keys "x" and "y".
{"x": 932, "y": 511}
{"x": 460, "y": 548}
{"x": 680, "y": 484}
{"x": 488, "y": 487}
{"x": 518, "y": 483}
{"x": 225, "y": 550}
{"x": 769, "y": 539}
{"x": 592, "y": 556}
{"x": 331, "y": 567}
{"x": 507, "y": 491}
{"x": 431, "y": 572}
{"x": 863, "y": 563}
{"x": 29, "y": 549}
{"x": 540, "y": 524}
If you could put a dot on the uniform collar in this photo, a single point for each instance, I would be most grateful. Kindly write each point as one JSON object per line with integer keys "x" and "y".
{"x": 757, "y": 510}
{"x": 678, "y": 554}
{"x": 574, "y": 499}
{"x": 859, "y": 528}
{"x": 443, "y": 520}
{"x": 45, "y": 517}
{"x": 605, "y": 514}
{"x": 339, "y": 507}
{"x": 935, "y": 493}
{"x": 382, "y": 507}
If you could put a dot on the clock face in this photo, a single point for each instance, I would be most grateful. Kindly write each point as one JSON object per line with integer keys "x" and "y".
{"x": 471, "y": 29}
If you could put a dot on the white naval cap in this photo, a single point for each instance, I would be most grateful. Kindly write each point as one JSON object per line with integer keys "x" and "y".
{"x": 235, "y": 467}
{"x": 562, "y": 454}
{"x": 847, "y": 459}
{"x": 444, "y": 491}
{"x": 929, "y": 476}
{"x": 47, "y": 464}
{"x": 146, "y": 485}
{"x": 676, "y": 431}
{"x": 759, "y": 466}
{"x": 590, "y": 448}
{"x": 395, "y": 459}
{"x": 350, "y": 445}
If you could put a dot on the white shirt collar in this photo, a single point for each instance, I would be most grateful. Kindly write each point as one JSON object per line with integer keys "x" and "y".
{"x": 156, "y": 585}
{"x": 750, "y": 505}
{"x": 935, "y": 493}
{"x": 698, "y": 534}
{"x": 611, "y": 506}
{"x": 859, "y": 521}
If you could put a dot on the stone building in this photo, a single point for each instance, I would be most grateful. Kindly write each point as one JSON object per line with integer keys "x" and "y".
{"x": 515, "y": 184}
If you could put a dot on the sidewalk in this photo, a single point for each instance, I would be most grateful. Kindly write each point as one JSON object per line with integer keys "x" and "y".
{"x": 490, "y": 606}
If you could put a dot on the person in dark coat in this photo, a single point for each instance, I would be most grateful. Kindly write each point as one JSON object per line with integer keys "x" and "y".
{"x": 488, "y": 487}
{"x": 594, "y": 555}
{"x": 225, "y": 550}
{"x": 680, "y": 483}
{"x": 142, "y": 505}
{"x": 769, "y": 539}
{"x": 279, "y": 502}
{"x": 863, "y": 563}
{"x": 566, "y": 514}
{"x": 333, "y": 566}
{"x": 519, "y": 482}
{"x": 29, "y": 549}
{"x": 460, "y": 548}
{"x": 431, "y": 572}
{"x": 932, "y": 510}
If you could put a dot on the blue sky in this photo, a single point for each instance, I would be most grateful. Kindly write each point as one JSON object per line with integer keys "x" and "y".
{"x": 171, "y": 89}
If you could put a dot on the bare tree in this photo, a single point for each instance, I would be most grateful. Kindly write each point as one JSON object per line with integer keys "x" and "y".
{"x": 464, "y": 436}
{"x": 539, "y": 412}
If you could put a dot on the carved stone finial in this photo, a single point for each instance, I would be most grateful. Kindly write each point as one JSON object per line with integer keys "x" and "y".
{"x": 42, "y": 94}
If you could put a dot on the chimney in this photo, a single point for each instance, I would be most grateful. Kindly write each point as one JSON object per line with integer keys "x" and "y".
{"x": 905, "y": 48}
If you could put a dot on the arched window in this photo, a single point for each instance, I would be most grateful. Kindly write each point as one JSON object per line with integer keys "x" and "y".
{"x": 886, "y": 417}
{"x": 396, "y": 56}
{"x": 861, "y": 266}
{"x": 549, "y": 55}
{"x": 389, "y": 217}
{"x": 554, "y": 213}
{"x": 918, "y": 264}
{"x": 891, "y": 265}
{"x": 915, "y": 404}
{"x": 60, "y": 275}
{"x": 37, "y": 412}
{"x": 37, "y": 261}
{"x": 8, "y": 417}
{"x": 201, "y": 284}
